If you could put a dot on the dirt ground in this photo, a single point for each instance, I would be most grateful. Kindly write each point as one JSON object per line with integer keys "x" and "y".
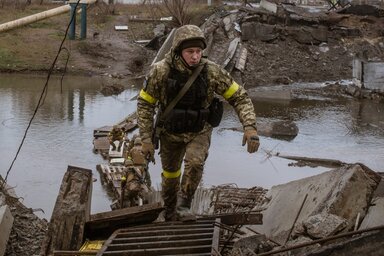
{"x": 117, "y": 56}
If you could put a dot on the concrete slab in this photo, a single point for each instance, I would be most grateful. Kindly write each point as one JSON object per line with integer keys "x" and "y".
{"x": 369, "y": 73}
{"x": 6, "y": 222}
{"x": 375, "y": 212}
{"x": 343, "y": 192}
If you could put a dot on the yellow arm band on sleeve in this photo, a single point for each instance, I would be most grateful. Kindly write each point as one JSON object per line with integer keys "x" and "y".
{"x": 231, "y": 90}
{"x": 171, "y": 175}
{"x": 148, "y": 98}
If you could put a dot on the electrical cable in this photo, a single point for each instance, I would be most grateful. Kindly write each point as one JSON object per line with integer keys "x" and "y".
{"x": 42, "y": 95}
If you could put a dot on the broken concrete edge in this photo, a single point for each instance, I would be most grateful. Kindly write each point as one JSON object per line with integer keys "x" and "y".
{"x": 374, "y": 216}
{"x": 6, "y": 224}
{"x": 345, "y": 192}
{"x": 6, "y": 217}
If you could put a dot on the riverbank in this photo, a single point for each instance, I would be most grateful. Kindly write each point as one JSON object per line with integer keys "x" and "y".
{"x": 317, "y": 48}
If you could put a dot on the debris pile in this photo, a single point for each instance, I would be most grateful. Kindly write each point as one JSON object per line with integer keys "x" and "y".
{"x": 28, "y": 230}
{"x": 301, "y": 215}
{"x": 285, "y": 44}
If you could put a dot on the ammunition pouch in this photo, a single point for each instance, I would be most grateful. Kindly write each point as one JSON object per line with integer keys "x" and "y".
{"x": 186, "y": 120}
{"x": 216, "y": 110}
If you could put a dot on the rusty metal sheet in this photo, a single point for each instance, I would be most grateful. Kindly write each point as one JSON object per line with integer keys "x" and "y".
{"x": 167, "y": 238}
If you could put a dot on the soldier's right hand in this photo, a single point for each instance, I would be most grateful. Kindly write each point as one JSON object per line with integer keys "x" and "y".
{"x": 148, "y": 150}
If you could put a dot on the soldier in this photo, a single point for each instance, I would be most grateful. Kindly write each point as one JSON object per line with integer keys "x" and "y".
{"x": 188, "y": 127}
{"x": 116, "y": 134}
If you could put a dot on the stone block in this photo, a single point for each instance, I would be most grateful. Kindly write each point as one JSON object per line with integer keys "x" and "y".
{"x": 256, "y": 30}
{"x": 324, "y": 225}
{"x": 344, "y": 192}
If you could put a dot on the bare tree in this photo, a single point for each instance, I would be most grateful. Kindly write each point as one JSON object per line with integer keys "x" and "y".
{"x": 178, "y": 10}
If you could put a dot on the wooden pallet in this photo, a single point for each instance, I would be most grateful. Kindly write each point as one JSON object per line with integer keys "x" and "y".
{"x": 112, "y": 175}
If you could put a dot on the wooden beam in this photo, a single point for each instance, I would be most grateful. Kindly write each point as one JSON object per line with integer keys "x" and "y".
{"x": 240, "y": 218}
{"x": 71, "y": 211}
{"x": 105, "y": 223}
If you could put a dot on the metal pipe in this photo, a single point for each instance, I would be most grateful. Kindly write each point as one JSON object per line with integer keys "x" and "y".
{"x": 33, "y": 18}
{"x": 322, "y": 240}
{"x": 39, "y": 16}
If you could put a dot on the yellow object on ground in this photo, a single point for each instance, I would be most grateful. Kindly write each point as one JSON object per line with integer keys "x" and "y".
{"x": 92, "y": 246}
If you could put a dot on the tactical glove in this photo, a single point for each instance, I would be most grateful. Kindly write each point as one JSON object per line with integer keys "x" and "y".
{"x": 148, "y": 150}
{"x": 250, "y": 137}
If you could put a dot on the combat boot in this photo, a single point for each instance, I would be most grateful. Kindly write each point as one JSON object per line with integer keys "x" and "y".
{"x": 170, "y": 187}
{"x": 183, "y": 209}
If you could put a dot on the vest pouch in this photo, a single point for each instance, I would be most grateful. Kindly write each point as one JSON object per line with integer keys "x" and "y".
{"x": 176, "y": 122}
{"x": 191, "y": 121}
{"x": 203, "y": 118}
{"x": 216, "y": 110}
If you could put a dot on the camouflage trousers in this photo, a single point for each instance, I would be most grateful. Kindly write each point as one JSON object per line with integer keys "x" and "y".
{"x": 193, "y": 149}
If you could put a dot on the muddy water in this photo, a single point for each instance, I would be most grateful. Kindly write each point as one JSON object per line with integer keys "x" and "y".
{"x": 62, "y": 131}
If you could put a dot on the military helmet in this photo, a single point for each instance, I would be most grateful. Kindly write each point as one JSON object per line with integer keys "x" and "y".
{"x": 188, "y": 33}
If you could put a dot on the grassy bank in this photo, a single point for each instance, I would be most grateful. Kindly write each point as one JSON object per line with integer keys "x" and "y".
{"x": 33, "y": 47}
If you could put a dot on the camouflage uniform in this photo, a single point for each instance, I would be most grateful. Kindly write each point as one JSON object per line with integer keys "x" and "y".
{"x": 116, "y": 134}
{"x": 191, "y": 146}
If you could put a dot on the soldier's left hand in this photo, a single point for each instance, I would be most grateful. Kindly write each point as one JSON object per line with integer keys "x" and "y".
{"x": 148, "y": 150}
{"x": 251, "y": 139}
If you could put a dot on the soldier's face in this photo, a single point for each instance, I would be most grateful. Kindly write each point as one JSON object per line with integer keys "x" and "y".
{"x": 192, "y": 55}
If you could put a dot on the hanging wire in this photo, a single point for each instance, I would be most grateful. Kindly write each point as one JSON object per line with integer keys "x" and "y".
{"x": 42, "y": 96}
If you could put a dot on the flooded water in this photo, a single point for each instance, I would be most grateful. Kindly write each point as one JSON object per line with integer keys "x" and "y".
{"x": 61, "y": 134}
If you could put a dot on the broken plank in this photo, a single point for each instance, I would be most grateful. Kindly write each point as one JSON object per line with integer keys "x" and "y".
{"x": 240, "y": 218}
{"x": 106, "y": 222}
{"x": 231, "y": 51}
{"x": 330, "y": 163}
{"x": 72, "y": 210}
{"x": 240, "y": 62}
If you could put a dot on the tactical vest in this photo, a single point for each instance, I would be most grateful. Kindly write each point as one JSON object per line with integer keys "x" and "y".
{"x": 188, "y": 115}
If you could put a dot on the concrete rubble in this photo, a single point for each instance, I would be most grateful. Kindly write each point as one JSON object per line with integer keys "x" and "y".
{"x": 6, "y": 222}
{"x": 318, "y": 207}
{"x": 21, "y": 230}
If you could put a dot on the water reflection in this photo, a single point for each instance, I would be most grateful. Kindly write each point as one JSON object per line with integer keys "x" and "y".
{"x": 61, "y": 134}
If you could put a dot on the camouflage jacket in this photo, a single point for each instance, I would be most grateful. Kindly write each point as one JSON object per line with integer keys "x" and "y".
{"x": 218, "y": 81}
{"x": 116, "y": 134}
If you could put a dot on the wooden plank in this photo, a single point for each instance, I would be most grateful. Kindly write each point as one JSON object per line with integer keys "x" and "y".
{"x": 231, "y": 51}
{"x": 165, "y": 47}
{"x": 106, "y": 223}
{"x": 101, "y": 144}
{"x": 240, "y": 62}
{"x": 239, "y": 218}
{"x": 72, "y": 210}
